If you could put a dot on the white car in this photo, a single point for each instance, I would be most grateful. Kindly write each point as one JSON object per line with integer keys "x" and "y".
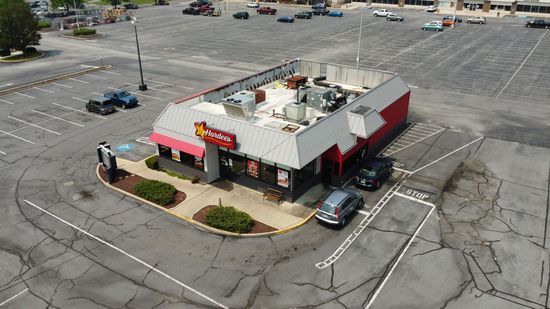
{"x": 477, "y": 20}
{"x": 381, "y": 13}
{"x": 431, "y": 8}
{"x": 253, "y": 5}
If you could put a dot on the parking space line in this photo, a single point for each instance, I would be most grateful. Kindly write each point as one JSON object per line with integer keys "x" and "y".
{"x": 79, "y": 99}
{"x": 521, "y": 65}
{"x": 79, "y": 80}
{"x": 388, "y": 275}
{"x": 59, "y": 118}
{"x": 7, "y": 102}
{"x": 152, "y": 268}
{"x": 450, "y": 153}
{"x": 80, "y": 111}
{"x": 427, "y": 136}
{"x": 156, "y": 89}
{"x": 48, "y": 91}
{"x": 25, "y": 95}
{"x": 94, "y": 76}
{"x": 3, "y": 153}
{"x": 66, "y": 86}
{"x": 109, "y": 72}
{"x": 147, "y": 96}
{"x": 13, "y": 297}
{"x": 32, "y": 124}
{"x": 18, "y": 137}
{"x": 421, "y": 124}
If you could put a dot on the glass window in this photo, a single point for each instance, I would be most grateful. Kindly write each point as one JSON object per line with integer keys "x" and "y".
{"x": 165, "y": 152}
{"x": 302, "y": 175}
{"x": 237, "y": 163}
{"x": 268, "y": 172}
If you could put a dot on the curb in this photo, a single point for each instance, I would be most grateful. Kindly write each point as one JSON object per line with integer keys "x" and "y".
{"x": 42, "y": 55}
{"x": 201, "y": 225}
{"x": 84, "y": 38}
{"x": 52, "y": 79}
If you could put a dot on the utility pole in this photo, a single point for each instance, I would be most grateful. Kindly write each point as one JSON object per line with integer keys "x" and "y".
{"x": 359, "y": 41}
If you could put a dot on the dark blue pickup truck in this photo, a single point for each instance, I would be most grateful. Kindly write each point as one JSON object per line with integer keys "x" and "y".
{"x": 122, "y": 98}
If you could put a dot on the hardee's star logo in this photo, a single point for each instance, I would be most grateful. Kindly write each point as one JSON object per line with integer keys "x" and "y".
{"x": 199, "y": 129}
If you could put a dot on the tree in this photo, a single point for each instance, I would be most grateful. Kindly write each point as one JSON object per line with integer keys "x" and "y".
{"x": 115, "y": 3}
{"x": 18, "y": 26}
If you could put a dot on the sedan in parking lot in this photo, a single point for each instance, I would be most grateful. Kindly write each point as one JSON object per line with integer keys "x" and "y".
{"x": 285, "y": 19}
{"x": 241, "y": 15}
{"x": 304, "y": 15}
{"x": 394, "y": 17}
{"x": 447, "y": 22}
{"x": 335, "y": 14}
{"x": 431, "y": 9}
{"x": 456, "y": 18}
{"x": 339, "y": 205}
{"x": 538, "y": 23}
{"x": 477, "y": 20}
{"x": 190, "y": 11}
{"x": 253, "y": 5}
{"x": 435, "y": 25}
{"x": 373, "y": 174}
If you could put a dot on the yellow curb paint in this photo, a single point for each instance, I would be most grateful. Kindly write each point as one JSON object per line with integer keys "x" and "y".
{"x": 199, "y": 224}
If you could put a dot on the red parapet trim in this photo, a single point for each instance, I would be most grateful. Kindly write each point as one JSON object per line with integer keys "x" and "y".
{"x": 189, "y": 97}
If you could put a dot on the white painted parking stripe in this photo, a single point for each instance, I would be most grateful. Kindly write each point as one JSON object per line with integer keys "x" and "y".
{"x": 59, "y": 118}
{"x": 427, "y": 136}
{"x": 420, "y": 131}
{"x": 450, "y": 153}
{"x": 8, "y": 102}
{"x": 421, "y": 124}
{"x": 79, "y": 99}
{"x": 66, "y": 86}
{"x": 373, "y": 298}
{"x": 148, "y": 96}
{"x": 95, "y": 76}
{"x": 79, "y": 80}
{"x": 80, "y": 111}
{"x": 156, "y": 89}
{"x": 109, "y": 72}
{"x": 363, "y": 212}
{"x": 48, "y": 91}
{"x": 6, "y": 85}
{"x": 152, "y": 268}
{"x": 18, "y": 137}
{"x": 25, "y": 95}
{"x": 3, "y": 152}
{"x": 168, "y": 84}
{"x": 13, "y": 297}
{"x": 32, "y": 124}
{"x": 521, "y": 65}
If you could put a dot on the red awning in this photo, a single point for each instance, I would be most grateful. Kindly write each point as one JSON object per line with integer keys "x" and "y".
{"x": 179, "y": 145}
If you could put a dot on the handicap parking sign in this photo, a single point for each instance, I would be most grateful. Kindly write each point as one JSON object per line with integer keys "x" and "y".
{"x": 125, "y": 147}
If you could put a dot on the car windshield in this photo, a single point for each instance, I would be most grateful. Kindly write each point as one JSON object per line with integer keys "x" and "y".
{"x": 368, "y": 171}
{"x": 123, "y": 94}
{"x": 326, "y": 207}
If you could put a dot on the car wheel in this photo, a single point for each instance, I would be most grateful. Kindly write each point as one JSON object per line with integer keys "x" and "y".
{"x": 528, "y": 26}
{"x": 123, "y": 106}
{"x": 468, "y": 22}
{"x": 343, "y": 221}
{"x": 376, "y": 15}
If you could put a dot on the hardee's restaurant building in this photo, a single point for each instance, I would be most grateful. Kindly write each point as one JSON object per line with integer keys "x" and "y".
{"x": 287, "y": 128}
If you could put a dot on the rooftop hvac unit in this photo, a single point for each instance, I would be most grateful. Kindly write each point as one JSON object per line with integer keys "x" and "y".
{"x": 241, "y": 105}
{"x": 295, "y": 112}
{"x": 315, "y": 96}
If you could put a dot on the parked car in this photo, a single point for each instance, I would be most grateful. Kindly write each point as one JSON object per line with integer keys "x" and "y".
{"x": 339, "y": 205}
{"x": 431, "y": 9}
{"x": 435, "y": 25}
{"x": 335, "y": 14}
{"x": 538, "y": 23}
{"x": 131, "y": 6}
{"x": 241, "y": 15}
{"x": 447, "y": 22}
{"x": 206, "y": 9}
{"x": 285, "y": 19}
{"x": 162, "y": 2}
{"x": 253, "y": 5}
{"x": 457, "y": 19}
{"x": 304, "y": 15}
{"x": 381, "y": 13}
{"x": 100, "y": 105}
{"x": 122, "y": 98}
{"x": 476, "y": 20}
{"x": 199, "y": 3}
{"x": 267, "y": 11}
{"x": 373, "y": 174}
{"x": 394, "y": 17}
{"x": 190, "y": 11}
{"x": 320, "y": 11}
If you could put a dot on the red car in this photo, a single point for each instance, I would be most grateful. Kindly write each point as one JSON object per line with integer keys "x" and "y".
{"x": 448, "y": 22}
{"x": 206, "y": 8}
{"x": 266, "y": 10}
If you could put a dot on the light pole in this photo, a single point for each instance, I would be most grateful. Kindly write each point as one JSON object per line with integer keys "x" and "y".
{"x": 142, "y": 86}
{"x": 77, "y": 22}
{"x": 454, "y": 15}
{"x": 359, "y": 42}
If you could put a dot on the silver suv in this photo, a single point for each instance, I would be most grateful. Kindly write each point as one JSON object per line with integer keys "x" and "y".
{"x": 338, "y": 205}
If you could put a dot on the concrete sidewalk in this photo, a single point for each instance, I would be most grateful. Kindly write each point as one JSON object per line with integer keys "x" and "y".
{"x": 199, "y": 195}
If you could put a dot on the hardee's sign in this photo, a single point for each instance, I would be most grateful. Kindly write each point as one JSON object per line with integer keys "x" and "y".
{"x": 214, "y": 136}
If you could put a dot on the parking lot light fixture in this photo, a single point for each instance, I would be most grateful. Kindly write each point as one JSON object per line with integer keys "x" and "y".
{"x": 142, "y": 86}
{"x": 77, "y": 22}
{"x": 359, "y": 41}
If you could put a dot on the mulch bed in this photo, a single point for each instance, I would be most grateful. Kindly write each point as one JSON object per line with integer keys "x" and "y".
{"x": 257, "y": 227}
{"x": 126, "y": 182}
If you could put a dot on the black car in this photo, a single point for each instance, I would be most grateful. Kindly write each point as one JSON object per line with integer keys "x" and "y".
{"x": 241, "y": 15}
{"x": 131, "y": 6}
{"x": 320, "y": 11}
{"x": 538, "y": 23}
{"x": 373, "y": 174}
{"x": 190, "y": 11}
{"x": 199, "y": 3}
{"x": 304, "y": 15}
{"x": 100, "y": 105}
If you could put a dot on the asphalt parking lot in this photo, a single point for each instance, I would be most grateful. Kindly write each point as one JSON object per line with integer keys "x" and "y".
{"x": 461, "y": 224}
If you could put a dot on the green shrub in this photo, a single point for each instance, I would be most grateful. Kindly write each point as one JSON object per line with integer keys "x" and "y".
{"x": 43, "y": 24}
{"x": 229, "y": 219}
{"x": 195, "y": 179}
{"x": 83, "y": 31}
{"x": 152, "y": 162}
{"x": 155, "y": 191}
{"x": 4, "y": 52}
{"x": 29, "y": 50}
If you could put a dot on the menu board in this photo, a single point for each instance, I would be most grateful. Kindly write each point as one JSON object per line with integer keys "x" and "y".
{"x": 282, "y": 178}
{"x": 176, "y": 155}
{"x": 252, "y": 168}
